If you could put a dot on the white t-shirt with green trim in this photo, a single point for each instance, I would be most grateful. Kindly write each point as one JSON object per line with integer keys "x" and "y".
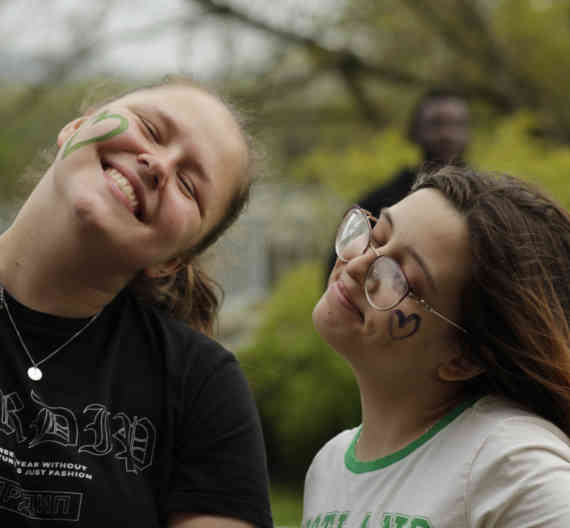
{"x": 486, "y": 464}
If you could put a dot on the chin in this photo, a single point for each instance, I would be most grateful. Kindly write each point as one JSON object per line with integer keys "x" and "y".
{"x": 329, "y": 326}
{"x": 91, "y": 216}
{"x": 316, "y": 316}
{"x": 85, "y": 210}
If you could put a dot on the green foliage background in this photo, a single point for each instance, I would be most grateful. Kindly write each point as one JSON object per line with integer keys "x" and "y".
{"x": 33, "y": 116}
{"x": 509, "y": 57}
{"x": 499, "y": 145}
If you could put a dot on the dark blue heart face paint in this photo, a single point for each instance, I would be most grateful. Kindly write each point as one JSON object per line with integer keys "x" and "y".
{"x": 401, "y": 326}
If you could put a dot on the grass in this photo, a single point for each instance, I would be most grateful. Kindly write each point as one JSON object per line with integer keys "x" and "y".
{"x": 286, "y": 504}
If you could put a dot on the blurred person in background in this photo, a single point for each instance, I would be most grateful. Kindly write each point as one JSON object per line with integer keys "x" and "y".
{"x": 115, "y": 409}
{"x": 453, "y": 311}
{"x": 440, "y": 126}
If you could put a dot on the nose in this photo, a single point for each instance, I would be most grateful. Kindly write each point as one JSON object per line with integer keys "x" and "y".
{"x": 357, "y": 267}
{"x": 153, "y": 170}
{"x": 449, "y": 132}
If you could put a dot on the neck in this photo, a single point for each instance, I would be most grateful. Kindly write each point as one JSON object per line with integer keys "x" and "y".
{"x": 433, "y": 162}
{"x": 393, "y": 415}
{"x": 49, "y": 267}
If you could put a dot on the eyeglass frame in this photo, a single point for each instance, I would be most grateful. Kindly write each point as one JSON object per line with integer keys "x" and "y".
{"x": 409, "y": 292}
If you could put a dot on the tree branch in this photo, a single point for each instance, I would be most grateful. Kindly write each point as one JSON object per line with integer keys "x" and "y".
{"x": 58, "y": 70}
{"x": 337, "y": 59}
{"x": 351, "y": 75}
{"x": 482, "y": 50}
{"x": 447, "y": 31}
{"x": 227, "y": 11}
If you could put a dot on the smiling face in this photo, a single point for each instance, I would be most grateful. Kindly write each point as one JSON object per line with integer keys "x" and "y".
{"x": 428, "y": 238}
{"x": 151, "y": 173}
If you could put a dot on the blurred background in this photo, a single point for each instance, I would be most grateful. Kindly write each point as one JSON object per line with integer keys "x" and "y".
{"x": 330, "y": 85}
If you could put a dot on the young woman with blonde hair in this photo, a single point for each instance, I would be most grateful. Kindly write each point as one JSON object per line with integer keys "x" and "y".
{"x": 116, "y": 411}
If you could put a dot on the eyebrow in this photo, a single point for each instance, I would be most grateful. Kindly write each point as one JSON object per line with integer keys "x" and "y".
{"x": 415, "y": 255}
{"x": 165, "y": 118}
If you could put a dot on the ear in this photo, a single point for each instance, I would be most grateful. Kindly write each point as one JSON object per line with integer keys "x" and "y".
{"x": 68, "y": 130}
{"x": 459, "y": 368}
{"x": 166, "y": 268}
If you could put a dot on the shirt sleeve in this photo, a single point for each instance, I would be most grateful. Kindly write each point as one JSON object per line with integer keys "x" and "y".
{"x": 520, "y": 478}
{"x": 220, "y": 465}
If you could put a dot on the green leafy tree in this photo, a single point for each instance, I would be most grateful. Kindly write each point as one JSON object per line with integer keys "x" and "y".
{"x": 501, "y": 145}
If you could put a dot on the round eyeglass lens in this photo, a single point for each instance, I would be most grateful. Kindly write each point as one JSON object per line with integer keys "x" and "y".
{"x": 353, "y": 235}
{"x": 385, "y": 285}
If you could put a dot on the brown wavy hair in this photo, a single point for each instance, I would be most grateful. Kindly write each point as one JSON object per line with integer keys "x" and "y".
{"x": 189, "y": 294}
{"x": 516, "y": 305}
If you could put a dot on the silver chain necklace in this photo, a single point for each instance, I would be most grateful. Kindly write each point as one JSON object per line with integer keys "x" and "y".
{"x": 34, "y": 372}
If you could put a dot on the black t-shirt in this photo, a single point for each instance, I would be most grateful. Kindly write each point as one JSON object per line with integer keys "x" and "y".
{"x": 139, "y": 417}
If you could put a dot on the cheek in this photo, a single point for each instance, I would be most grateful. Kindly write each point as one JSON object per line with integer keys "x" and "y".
{"x": 316, "y": 313}
{"x": 403, "y": 326}
{"x": 329, "y": 320}
{"x": 323, "y": 319}
{"x": 102, "y": 128}
{"x": 180, "y": 225}
{"x": 377, "y": 325}
{"x": 323, "y": 312}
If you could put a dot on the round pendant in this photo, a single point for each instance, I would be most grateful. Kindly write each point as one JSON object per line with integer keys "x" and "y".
{"x": 35, "y": 374}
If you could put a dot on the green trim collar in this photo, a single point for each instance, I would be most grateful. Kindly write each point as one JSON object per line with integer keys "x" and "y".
{"x": 357, "y": 466}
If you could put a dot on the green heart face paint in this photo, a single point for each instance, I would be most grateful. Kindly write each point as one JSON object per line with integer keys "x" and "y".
{"x": 120, "y": 128}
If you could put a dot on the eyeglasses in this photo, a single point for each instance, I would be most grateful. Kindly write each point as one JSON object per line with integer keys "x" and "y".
{"x": 386, "y": 284}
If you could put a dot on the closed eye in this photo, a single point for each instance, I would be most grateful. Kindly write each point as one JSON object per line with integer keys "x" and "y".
{"x": 187, "y": 185}
{"x": 416, "y": 284}
{"x": 151, "y": 129}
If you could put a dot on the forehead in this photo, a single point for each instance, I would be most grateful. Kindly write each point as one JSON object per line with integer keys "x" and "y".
{"x": 178, "y": 96}
{"x": 435, "y": 229}
{"x": 189, "y": 107}
{"x": 447, "y": 107}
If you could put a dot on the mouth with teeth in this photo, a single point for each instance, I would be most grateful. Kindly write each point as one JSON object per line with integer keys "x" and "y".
{"x": 125, "y": 187}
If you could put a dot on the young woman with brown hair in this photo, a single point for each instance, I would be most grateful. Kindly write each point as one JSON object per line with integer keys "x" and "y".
{"x": 454, "y": 314}
{"x": 115, "y": 412}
